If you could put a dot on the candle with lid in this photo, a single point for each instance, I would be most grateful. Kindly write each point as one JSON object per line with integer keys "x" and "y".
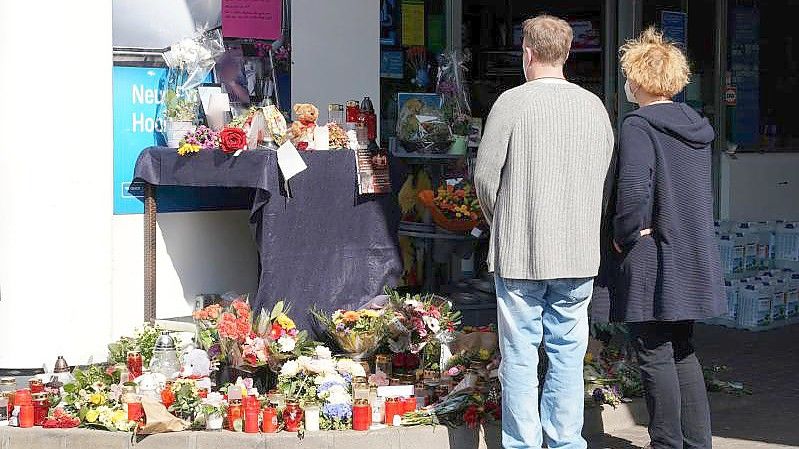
{"x": 361, "y": 415}
{"x": 269, "y": 420}
{"x": 311, "y": 417}
{"x": 393, "y": 408}
{"x": 41, "y": 407}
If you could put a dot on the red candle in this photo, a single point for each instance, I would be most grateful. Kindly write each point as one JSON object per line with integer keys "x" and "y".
{"x": 26, "y": 416}
{"x": 252, "y": 410}
{"x": 36, "y": 386}
{"x": 361, "y": 415}
{"x": 41, "y": 407}
{"x": 135, "y": 365}
{"x": 292, "y": 416}
{"x": 393, "y": 408}
{"x": 270, "y": 420}
{"x": 409, "y": 404}
{"x": 135, "y": 412}
{"x": 234, "y": 415}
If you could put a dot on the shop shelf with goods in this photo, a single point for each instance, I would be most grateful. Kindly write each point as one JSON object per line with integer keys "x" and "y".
{"x": 436, "y": 244}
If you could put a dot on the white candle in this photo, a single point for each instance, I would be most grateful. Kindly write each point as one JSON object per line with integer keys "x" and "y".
{"x": 311, "y": 418}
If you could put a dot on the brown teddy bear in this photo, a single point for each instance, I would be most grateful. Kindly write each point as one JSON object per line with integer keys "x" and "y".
{"x": 302, "y": 129}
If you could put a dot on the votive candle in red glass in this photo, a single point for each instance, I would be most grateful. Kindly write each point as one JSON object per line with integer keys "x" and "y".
{"x": 234, "y": 415}
{"x": 394, "y": 408}
{"x": 135, "y": 412}
{"x": 36, "y": 386}
{"x": 361, "y": 415}
{"x": 292, "y": 416}
{"x": 270, "y": 420}
{"x": 252, "y": 411}
{"x": 41, "y": 407}
{"x": 409, "y": 404}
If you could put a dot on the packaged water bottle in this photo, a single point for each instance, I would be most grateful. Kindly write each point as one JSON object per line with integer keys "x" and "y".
{"x": 792, "y": 297}
{"x": 750, "y": 242}
{"x": 747, "y": 305}
{"x": 731, "y": 288}
{"x": 778, "y": 301}
{"x": 788, "y": 243}
{"x": 763, "y": 232}
{"x": 727, "y": 250}
{"x": 738, "y": 261}
{"x": 764, "y": 299}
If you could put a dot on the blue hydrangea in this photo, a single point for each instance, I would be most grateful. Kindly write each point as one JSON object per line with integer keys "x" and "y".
{"x": 325, "y": 386}
{"x": 341, "y": 412}
{"x": 347, "y": 378}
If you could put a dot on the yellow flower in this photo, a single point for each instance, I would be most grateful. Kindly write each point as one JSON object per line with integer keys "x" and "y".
{"x": 371, "y": 313}
{"x": 588, "y": 357}
{"x": 484, "y": 354}
{"x": 119, "y": 416}
{"x": 97, "y": 398}
{"x": 187, "y": 148}
{"x": 92, "y": 415}
{"x": 285, "y": 322}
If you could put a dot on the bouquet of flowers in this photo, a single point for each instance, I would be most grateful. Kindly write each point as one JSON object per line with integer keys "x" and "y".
{"x": 326, "y": 380}
{"x": 357, "y": 332}
{"x": 610, "y": 378}
{"x": 420, "y": 322}
{"x": 229, "y": 335}
{"x": 94, "y": 398}
{"x": 453, "y": 88}
{"x": 202, "y": 138}
{"x": 187, "y": 404}
{"x": 454, "y": 206}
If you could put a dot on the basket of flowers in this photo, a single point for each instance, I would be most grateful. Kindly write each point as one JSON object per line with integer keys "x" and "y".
{"x": 454, "y": 206}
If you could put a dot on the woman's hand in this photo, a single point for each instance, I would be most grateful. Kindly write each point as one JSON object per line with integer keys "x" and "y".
{"x": 644, "y": 232}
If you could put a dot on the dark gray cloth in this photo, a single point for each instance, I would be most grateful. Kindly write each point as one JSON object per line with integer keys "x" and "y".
{"x": 664, "y": 183}
{"x": 324, "y": 245}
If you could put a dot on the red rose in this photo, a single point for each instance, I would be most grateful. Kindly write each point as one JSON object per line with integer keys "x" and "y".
{"x": 232, "y": 139}
{"x": 302, "y": 146}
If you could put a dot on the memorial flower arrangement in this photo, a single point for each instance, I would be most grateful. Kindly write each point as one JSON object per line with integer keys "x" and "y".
{"x": 94, "y": 398}
{"x": 187, "y": 404}
{"x": 202, "y": 138}
{"x": 322, "y": 379}
{"x": 229, "y": 335}
{"x": 611, "y": 378}
{"x": 420, "y": 322}
{"x": 458, "y": 201}
{"x": 357, "y": 332}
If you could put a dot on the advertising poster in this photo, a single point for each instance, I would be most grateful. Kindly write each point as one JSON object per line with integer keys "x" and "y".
{"x": 392, "y": 64}
{"x": 412, "y": 24}
{"x": 137, "y": 95}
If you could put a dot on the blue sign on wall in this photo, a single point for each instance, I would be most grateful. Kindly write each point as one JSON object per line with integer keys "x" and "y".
{"x": 674, "y": 25}
{"x": 392, "y": 64}
{"x": 138, "y": 93}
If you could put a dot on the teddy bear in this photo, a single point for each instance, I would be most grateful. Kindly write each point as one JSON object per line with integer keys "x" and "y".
{"x": 150, "y": 385}
{"x": 302, "y": 129}
{"x": 197, "y": 365}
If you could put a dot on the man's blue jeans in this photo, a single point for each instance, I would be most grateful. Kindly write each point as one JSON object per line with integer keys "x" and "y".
{"x": 555, "y": 311}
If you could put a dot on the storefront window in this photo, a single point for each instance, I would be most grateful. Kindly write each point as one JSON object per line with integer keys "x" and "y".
{"x": 762, "y": 70}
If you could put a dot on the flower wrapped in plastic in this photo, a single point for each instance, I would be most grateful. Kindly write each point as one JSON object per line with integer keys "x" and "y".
{"x": 423, "y": 128}
{"x": 454, "y": 90}
{"x": 190, "y": 60}
{"x": 357, "y": 332}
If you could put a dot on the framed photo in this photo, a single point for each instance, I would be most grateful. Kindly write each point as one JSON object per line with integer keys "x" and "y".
{"x": 430, "y": 100}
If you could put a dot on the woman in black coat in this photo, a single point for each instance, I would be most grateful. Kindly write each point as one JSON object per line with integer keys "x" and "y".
{"x": 668, "y": 272}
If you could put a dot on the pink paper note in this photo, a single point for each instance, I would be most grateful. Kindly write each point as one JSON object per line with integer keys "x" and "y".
{"x": 252, "y": 19}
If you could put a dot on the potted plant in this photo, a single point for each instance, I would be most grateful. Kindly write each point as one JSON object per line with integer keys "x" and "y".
{"x": 181, "y": 110}
{"x": 214, "y": 408}
{"x": 460, "y": 133}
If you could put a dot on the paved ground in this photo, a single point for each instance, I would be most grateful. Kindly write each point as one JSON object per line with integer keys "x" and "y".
{"x": 768, "y": 363}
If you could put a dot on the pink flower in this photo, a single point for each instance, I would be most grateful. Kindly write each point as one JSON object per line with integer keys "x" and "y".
{"x": 454, "y": 371}
{"x": 434, "y": 312}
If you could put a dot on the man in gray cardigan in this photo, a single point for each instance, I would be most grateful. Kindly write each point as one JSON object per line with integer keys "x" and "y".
{"x": 540, "y": 173}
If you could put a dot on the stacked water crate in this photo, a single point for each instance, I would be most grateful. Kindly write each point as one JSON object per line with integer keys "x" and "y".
{"x": 761, "y": 268}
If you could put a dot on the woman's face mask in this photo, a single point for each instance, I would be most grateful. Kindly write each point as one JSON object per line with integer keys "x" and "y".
{"x": 629, "y": 92}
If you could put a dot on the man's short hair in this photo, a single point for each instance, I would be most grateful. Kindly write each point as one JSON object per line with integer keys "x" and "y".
{"x": 549, "y": 38}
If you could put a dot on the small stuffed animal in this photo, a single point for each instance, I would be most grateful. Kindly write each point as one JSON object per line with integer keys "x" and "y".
{"x": 302, "y": 129}
{"x": 150, "y": 385}
{"x": 197, "y": 365}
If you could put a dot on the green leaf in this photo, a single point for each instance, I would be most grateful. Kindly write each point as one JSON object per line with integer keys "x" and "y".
{"x": 277, "y": 310}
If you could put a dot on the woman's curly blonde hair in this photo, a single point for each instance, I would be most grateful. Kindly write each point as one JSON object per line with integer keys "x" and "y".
{"x": 655, "y": 64}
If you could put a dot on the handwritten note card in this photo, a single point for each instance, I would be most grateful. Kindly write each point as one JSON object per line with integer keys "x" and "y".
{"x": 252, "y": 19}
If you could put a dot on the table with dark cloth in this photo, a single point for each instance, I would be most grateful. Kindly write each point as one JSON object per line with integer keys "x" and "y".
{"x": 323, "y": 244}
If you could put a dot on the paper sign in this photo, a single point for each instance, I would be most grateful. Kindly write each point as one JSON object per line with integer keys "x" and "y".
{"x": 289, "y": 160}
{"x": 252, "y": 19}
{"x": 395, "y": 391}
{"x": 321, "y": 138}
{"x": 477, "y": 232}
{"x": 372, "y": 172}
{"x": 412, "y": 24}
